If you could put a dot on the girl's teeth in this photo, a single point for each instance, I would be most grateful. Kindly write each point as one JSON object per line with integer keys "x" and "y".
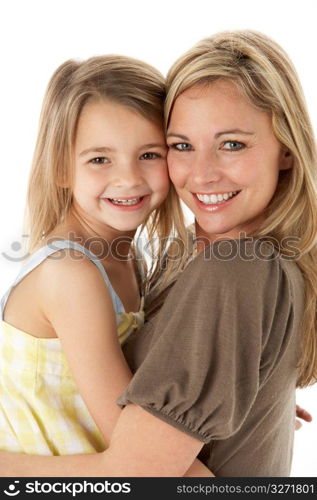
{"x": 210, "y": 199}
{"x": 119, "y": 201}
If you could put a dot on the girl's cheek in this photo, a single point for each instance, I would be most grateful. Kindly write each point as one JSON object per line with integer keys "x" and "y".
{"x": 159, "y": 179}
{"x": 177, "y": 173}
{"x": 164, "y": 169}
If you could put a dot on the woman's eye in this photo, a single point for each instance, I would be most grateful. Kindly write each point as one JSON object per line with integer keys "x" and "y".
{"x": 181, "y": 146}
{"x": 99, "y": 160}
{"x": 150, "y": 156}
{"x": 233, "y": 145}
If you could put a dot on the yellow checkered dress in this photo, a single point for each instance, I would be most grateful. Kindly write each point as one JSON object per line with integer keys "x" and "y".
{"x": 41, "y": 410}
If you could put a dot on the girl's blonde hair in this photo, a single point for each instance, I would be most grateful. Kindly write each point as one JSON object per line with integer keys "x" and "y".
{"x": 266, "y": 77}
{"x": 125, "y": 80}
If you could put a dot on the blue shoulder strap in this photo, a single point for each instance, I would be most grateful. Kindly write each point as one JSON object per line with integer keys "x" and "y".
{"x": 41, "y": 254}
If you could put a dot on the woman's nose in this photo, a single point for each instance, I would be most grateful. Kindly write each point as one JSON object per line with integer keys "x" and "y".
{"x": 205, "y": 169}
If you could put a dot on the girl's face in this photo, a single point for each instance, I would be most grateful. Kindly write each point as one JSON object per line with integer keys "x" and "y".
{"x": 120, "y": 166}
{"x": 223, "y": 159}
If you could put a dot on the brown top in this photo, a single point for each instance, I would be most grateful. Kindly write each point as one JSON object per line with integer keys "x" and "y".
{"x": 218, "y": 361}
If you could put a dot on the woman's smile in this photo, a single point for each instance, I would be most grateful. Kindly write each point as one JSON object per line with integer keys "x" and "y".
{"x": 215, "y": 201}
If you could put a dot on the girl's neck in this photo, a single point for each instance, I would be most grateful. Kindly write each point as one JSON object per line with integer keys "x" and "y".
{"x": 104, "y": 241}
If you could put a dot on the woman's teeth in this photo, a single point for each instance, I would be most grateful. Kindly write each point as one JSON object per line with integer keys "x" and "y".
{"x": 122, "y": 201}
{"x": 213, "y": 199}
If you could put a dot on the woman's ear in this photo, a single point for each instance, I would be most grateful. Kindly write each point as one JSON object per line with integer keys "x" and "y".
{"x": 286, "y": 159}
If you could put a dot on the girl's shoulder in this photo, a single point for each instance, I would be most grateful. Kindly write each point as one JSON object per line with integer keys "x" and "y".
{"x": 60, "y": 258}
{"x": 50, "y": 271}
{"x": 65, "y": 262}
{"x": 61, "y": 264}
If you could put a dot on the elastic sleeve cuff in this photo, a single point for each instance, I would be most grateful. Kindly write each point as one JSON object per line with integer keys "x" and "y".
{"x": 170, "y": 418}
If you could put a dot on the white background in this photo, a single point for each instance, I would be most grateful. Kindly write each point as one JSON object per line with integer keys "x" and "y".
{"x": 37, "y": 36}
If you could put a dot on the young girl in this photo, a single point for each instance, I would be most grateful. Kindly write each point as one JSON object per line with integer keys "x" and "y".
{"x": 99, "y": 172}
{"x": 219, "y": 363}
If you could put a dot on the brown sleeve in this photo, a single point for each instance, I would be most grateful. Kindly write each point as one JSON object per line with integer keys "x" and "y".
{"x": 203, "y": 369}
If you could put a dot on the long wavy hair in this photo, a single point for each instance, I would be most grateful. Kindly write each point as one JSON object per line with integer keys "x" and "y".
{"x": 121, "y": 79}
{"x": 267, "y": 78}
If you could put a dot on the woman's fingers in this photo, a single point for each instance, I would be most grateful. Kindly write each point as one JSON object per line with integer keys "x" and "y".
{"x": 298, "y": 424}
{"x": 303, "y": 414}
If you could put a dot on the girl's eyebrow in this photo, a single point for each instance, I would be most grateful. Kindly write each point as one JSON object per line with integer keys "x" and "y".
{"x": 102, "y": 149}
{"x": 154, "y": 145}
{"x": 97, "y": 149}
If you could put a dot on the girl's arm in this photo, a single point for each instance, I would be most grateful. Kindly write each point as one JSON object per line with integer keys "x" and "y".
{"x": 79, "y": 307}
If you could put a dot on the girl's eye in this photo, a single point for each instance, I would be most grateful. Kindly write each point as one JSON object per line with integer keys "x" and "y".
{"x": 150, "y": 156}
{"x": 233, "y": 145}
{"x": 99, "y": 160}
{"x": 181, "y": 146}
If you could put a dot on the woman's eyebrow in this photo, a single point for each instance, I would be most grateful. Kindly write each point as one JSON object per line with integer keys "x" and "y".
{"x": 170, "y": 134}
{"x": 218, "y": 134}
{"x": 233, "y": 131}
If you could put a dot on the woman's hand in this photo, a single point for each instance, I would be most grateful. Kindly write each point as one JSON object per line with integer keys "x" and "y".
{"x": 198, "y": 469}
{"x": 8, "y": 463}
{"x": 303, "y": 415}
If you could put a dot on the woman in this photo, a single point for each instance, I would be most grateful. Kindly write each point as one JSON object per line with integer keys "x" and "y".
{"x": 220, "y": 362}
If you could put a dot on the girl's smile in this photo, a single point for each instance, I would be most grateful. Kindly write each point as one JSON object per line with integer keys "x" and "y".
{"x": 127, "y": 204}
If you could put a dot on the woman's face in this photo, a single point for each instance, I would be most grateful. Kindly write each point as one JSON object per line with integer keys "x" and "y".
{"x": 223, "y": 159}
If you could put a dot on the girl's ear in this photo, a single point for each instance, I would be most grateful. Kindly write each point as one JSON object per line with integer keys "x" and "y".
{"x": 286, "y": 159}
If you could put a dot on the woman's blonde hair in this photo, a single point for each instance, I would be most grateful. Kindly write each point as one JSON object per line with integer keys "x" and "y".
{"x": 266, "y": 77}
{"x": 125, "y": 80}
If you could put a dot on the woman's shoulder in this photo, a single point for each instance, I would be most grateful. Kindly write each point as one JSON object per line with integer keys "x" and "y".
{"x": 229, "y": 253}
{"x": 242, "y": 262}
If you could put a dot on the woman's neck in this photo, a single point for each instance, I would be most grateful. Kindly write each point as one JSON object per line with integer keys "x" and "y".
{"x": 203, "y": 239}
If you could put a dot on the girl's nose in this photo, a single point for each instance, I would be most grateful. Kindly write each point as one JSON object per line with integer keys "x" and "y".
{"x": 128, "y": 175}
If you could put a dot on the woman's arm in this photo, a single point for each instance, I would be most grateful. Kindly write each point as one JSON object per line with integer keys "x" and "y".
{"x": 168, "y": 452}
{"x": 141, "y": 445}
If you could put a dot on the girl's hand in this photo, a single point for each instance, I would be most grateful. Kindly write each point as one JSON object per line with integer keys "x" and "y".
{"x": 303, "y": 415}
